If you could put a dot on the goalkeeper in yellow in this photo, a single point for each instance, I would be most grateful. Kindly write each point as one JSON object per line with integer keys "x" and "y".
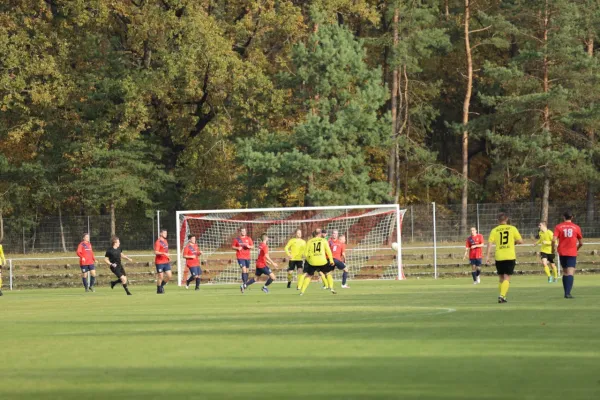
{"x": 547, "y": 252}
{"x": 295, "y": 250}
{"x": 2, "y": 262}
{"x": 318, "y": 258}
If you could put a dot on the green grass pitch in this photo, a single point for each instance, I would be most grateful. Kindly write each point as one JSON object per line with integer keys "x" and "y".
{"x": 417, "y": 339}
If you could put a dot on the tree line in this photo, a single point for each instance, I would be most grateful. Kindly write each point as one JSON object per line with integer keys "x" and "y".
{"x": 119, "y": 106}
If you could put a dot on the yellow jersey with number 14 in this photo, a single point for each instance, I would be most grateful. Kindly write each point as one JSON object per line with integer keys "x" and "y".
{"x": 295, "y": 249}
{"x": 318, "y": 252}
{"x": 504, "y": 237}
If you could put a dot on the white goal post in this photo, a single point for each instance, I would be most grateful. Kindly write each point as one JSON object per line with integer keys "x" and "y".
{"x": 369, "y": 229}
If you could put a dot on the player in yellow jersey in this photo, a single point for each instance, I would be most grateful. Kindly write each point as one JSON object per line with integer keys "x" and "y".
{"x": 547, "y": 252}
{"x": 295, "y": 250}
{"x": 318, "y": 259}
{"x": 505, "y": 237}
{"x": 2, "y": 262}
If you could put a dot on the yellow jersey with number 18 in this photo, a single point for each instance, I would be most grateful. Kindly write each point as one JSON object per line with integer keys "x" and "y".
{"x": 318, "y": 252}
{"x": 504, "y": 237}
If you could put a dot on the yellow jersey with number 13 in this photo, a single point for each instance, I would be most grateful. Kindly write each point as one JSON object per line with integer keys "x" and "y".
{"x": 504, "y": 237}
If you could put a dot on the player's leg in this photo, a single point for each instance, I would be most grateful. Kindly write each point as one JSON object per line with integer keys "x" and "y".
{"x": 159, "y": 279}
{"x": 199, "y": 273}
{"x": 554, "y": 272}
{"x": 324, "y": 280}
{"x": 270, "y": 280}
{"x": 478, "y": 270}
{"x": 569, "y": 264}
{"x": 309, "y": 272}
{"x": 244, "y": 264}
{"x": 124, "y": 282}
{"x": 341, "y": 266}
{"x": 505, "y": 270}
{"x": 257, "y": 275}
{"x": 290, "y": 273}
{"x": 473, "y": 271}
{"x": 191, "y": 278}
{"x": 300, "y": 275}
{"x": 544, "y": 261}
{"x": 84, "y": 272}
{"x": 166, "y": 276}
{"x": 92, "y": 277}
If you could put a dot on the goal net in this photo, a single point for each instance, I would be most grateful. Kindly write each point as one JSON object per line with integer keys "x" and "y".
{"x": 369, "y": 231}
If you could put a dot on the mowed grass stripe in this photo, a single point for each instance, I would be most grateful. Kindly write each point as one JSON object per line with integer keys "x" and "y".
{"x": 418, "y": 339}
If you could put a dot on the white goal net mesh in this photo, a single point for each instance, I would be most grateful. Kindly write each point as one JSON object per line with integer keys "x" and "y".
{"x": 369, "y": 232}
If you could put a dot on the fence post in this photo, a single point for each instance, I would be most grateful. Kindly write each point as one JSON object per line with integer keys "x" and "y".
{"x": 477, "y": 217}
{"x": 24, "y": 240}
{"x": 10, "y": 274}
{"x": 412, "y": 225}
{"x": 435, "y": 274}
{"x": 157, "y": 222}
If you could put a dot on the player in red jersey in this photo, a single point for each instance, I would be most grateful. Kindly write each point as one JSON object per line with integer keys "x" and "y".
{"x": 242, "y": 245}
{"x": 474, "y": 248}
{"x": 86, "y": 262}
{"x": 337, "y": 244}
{"x": 262, "y": 265}
{"x": 569, "y": 238}
{"x": 161, "y": 260}
{"x": 191, "y": 253}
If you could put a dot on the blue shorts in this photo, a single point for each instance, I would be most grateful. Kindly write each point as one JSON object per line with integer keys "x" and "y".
{"x": 339, "y": 264}
{"x": 568, "y": 261}
{"x": 244, "y": 263}
{"x": 86, "y": 268}
{"x": 195, "y": 271}
{"x": 264, "y": 270}
{"x": 163, "y": 267}
{"x": 475, "y": 262}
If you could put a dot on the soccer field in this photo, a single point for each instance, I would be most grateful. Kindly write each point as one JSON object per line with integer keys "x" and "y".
{"x": 417, "y": 339}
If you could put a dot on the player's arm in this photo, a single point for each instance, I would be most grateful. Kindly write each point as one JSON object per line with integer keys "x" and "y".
{"x": 344, "y": 254}
{"x": 186, "y": 253}
{"x": 328, "y": 252}
{"x": 518, "y": 238}
{"x": 251, "y": 244}
{"x": 236, "y": 245}
{"x": 489, "y": 248}
{"x": 579, "y": 239}
{"x": 81, "y": 252}
{"x": 157, "y": 250}
{"x": 124, "y": 256}
{"x": 467, "y": 248}
{"x": 269, "y": 261}
{"x": 2, "y": 258}
{"x": 287, "y": 248}
{"x": 107, "y": 261}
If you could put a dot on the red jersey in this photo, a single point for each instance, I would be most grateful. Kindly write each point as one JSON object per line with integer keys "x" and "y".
{"x": 244, "y": 253}
{"x": 84, "y": 251}
{"x": 192, "y": 249}
{"x": 263, "y": 250}
{"x": 472, "y": 241}
{"x": 162, "y": 246}
{"x": 567, "y": 234}
{"x": 337, "y": 249}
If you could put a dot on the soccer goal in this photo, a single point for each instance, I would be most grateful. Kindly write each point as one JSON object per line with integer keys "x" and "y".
{"x": 369, "y": 231}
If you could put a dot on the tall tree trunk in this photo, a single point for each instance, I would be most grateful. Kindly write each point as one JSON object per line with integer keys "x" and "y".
{"x": 546, "y": 114}
{"x": 446, "y": 10}
{"x": 62, "y": 230}
{"x": 392, "y": 162}
{"x": 591, "y": 190}
{"x": 465, "y": 122}
{"x": 113, "y": 221}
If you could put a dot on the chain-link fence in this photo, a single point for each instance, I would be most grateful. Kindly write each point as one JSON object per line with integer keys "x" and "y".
{"x": 418, "y": 221}
{"x": 63, "y": 234}
{"x": 54, "y": 234}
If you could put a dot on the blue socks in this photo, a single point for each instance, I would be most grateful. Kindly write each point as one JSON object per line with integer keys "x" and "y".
{"x": 92, "y": 280}
{"x": 250, "y": 282}
{"x": 567, "y": 281}
{"x": 84, "y": 280}
{"x": 477, "y": 272}
{"x": 197, "y": 282}
{"x": 344, "y": 277}
{"x": 269, "y": 281}
{"x": 244, "y": 277}
{"x": 474, "y": 275}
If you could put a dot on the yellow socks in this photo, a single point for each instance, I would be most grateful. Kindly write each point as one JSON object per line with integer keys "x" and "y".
{"x": 300, "y": 281}
{"x": 504, "y": 288}
{"x": 547, "y": 271}
{"x": 330, "y": 280}
{"x": 324, "y": 279}
{"x": 554, "y": 272}
{"x": 290, "y": 275}
{"x": 305, "y": 284}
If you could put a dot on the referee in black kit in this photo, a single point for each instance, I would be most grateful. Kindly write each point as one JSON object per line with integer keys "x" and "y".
{"x": 113, "y": 259}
